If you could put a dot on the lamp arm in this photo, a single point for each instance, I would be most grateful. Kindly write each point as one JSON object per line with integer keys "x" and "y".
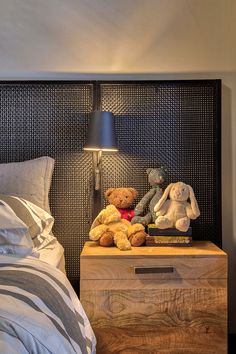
{"x": 97, "y": 158}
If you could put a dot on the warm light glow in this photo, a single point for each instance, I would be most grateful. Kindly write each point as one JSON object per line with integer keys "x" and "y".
{"x": 96, "y": 149}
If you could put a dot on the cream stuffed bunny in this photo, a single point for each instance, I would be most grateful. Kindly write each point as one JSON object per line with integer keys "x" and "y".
{"x": 176, "y": 211}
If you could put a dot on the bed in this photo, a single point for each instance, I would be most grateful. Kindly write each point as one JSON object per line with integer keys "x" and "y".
{"x": 40, "y": 312}
{"x": 54, "y": 255}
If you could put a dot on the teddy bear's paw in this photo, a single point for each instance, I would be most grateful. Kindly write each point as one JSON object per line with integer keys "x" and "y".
{"x": 108, "y": 215}
{"x": 96, "y": 233}
{"x": 124, "y": 245}
{"x": 138, "y": 239}
{"x": 112, "y": 218}
{"x": 135, "y": 228}
{"x": 121, "y": 241}
{"x": 107, "y": 239}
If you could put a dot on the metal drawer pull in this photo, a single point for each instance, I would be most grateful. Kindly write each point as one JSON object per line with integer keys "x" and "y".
{"x": 149, "y": 270}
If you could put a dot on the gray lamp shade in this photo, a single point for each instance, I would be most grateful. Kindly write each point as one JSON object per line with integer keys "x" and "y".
{"x": 101, "y": 132}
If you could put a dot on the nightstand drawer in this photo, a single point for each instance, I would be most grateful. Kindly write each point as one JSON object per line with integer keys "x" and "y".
{"x": 156, "y": 299}
{"x": 154, "y": 268}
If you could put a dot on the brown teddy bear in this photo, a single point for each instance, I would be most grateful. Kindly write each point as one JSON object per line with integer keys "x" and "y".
{"x": 123, "y": 199}
{"x": 108, "y": 229}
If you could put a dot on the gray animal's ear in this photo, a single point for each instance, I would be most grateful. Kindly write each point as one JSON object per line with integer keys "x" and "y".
{"x": 163, "y": 169}
{"x": 148, "y": 170}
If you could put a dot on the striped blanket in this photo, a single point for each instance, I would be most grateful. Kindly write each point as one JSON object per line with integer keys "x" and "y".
{"x": 39, "y": 311}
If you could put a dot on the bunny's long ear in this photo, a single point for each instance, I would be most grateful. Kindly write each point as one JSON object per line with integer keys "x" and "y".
{"x": 193, "y": 201}
{"x": 163, "y": 198}
{"x": 96, "y": 221}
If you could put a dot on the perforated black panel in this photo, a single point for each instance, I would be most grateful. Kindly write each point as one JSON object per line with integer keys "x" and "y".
{"x": 171, "y": 124}
{"x": 38, "y": 119}
{"x": 175, "y": 124}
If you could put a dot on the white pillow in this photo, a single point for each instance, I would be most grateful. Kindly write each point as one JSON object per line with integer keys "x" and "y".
{"x": 37, "y": 220}
{"x": 30, "y": 180}
{"x": 14, "y": 234}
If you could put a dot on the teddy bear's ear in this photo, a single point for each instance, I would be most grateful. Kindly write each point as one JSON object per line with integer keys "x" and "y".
{"x": 134, "y": 192}
{"x": 148, "y": 170}
{"x": 108, "y": 192}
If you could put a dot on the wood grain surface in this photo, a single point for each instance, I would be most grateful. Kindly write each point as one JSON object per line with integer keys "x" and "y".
{"x": 184, "y": 312}
{"x": 166, "y": 341}
{"x": 199, "y": 248}
{"x": 149, "y": 284}
{"x": 183, "y": 268}
{"x": 169, "y": 319}
{"x": 169, "y": 307}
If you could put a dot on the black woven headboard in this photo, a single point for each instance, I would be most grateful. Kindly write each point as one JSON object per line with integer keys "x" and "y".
{"x": 170, "y": 123}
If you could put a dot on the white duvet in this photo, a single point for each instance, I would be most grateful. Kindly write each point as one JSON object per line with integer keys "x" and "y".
{"x": 39, "y": 311}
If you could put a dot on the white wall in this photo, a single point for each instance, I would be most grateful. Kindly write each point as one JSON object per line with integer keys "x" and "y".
{"x": 118, "y": 36}
{"x": 132, "y": 39}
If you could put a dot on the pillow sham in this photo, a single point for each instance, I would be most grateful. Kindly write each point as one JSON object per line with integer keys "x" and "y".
{"x": 30, "y": 180}
{"x": 14, "y": 234}
{"x": 37, "y": 220}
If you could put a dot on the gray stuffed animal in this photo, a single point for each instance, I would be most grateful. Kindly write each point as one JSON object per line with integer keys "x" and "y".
{"x": 156, "y": 176}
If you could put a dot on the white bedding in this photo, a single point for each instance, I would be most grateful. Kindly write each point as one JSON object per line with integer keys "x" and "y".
{"x": 53, "y": 254}
{"x": 40, "y": 312}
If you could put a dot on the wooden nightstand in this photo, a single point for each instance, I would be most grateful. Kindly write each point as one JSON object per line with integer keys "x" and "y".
{"x": 156, "y": 299}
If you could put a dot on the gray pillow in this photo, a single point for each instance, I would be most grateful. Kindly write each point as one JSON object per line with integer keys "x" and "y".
{"x": 30, "y": 180}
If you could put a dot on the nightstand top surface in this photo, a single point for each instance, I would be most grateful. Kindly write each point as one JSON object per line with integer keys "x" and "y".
{"x": 199, "y": 248}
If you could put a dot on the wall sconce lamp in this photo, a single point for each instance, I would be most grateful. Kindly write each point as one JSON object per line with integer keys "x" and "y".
{"x": 101, "y": 137}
